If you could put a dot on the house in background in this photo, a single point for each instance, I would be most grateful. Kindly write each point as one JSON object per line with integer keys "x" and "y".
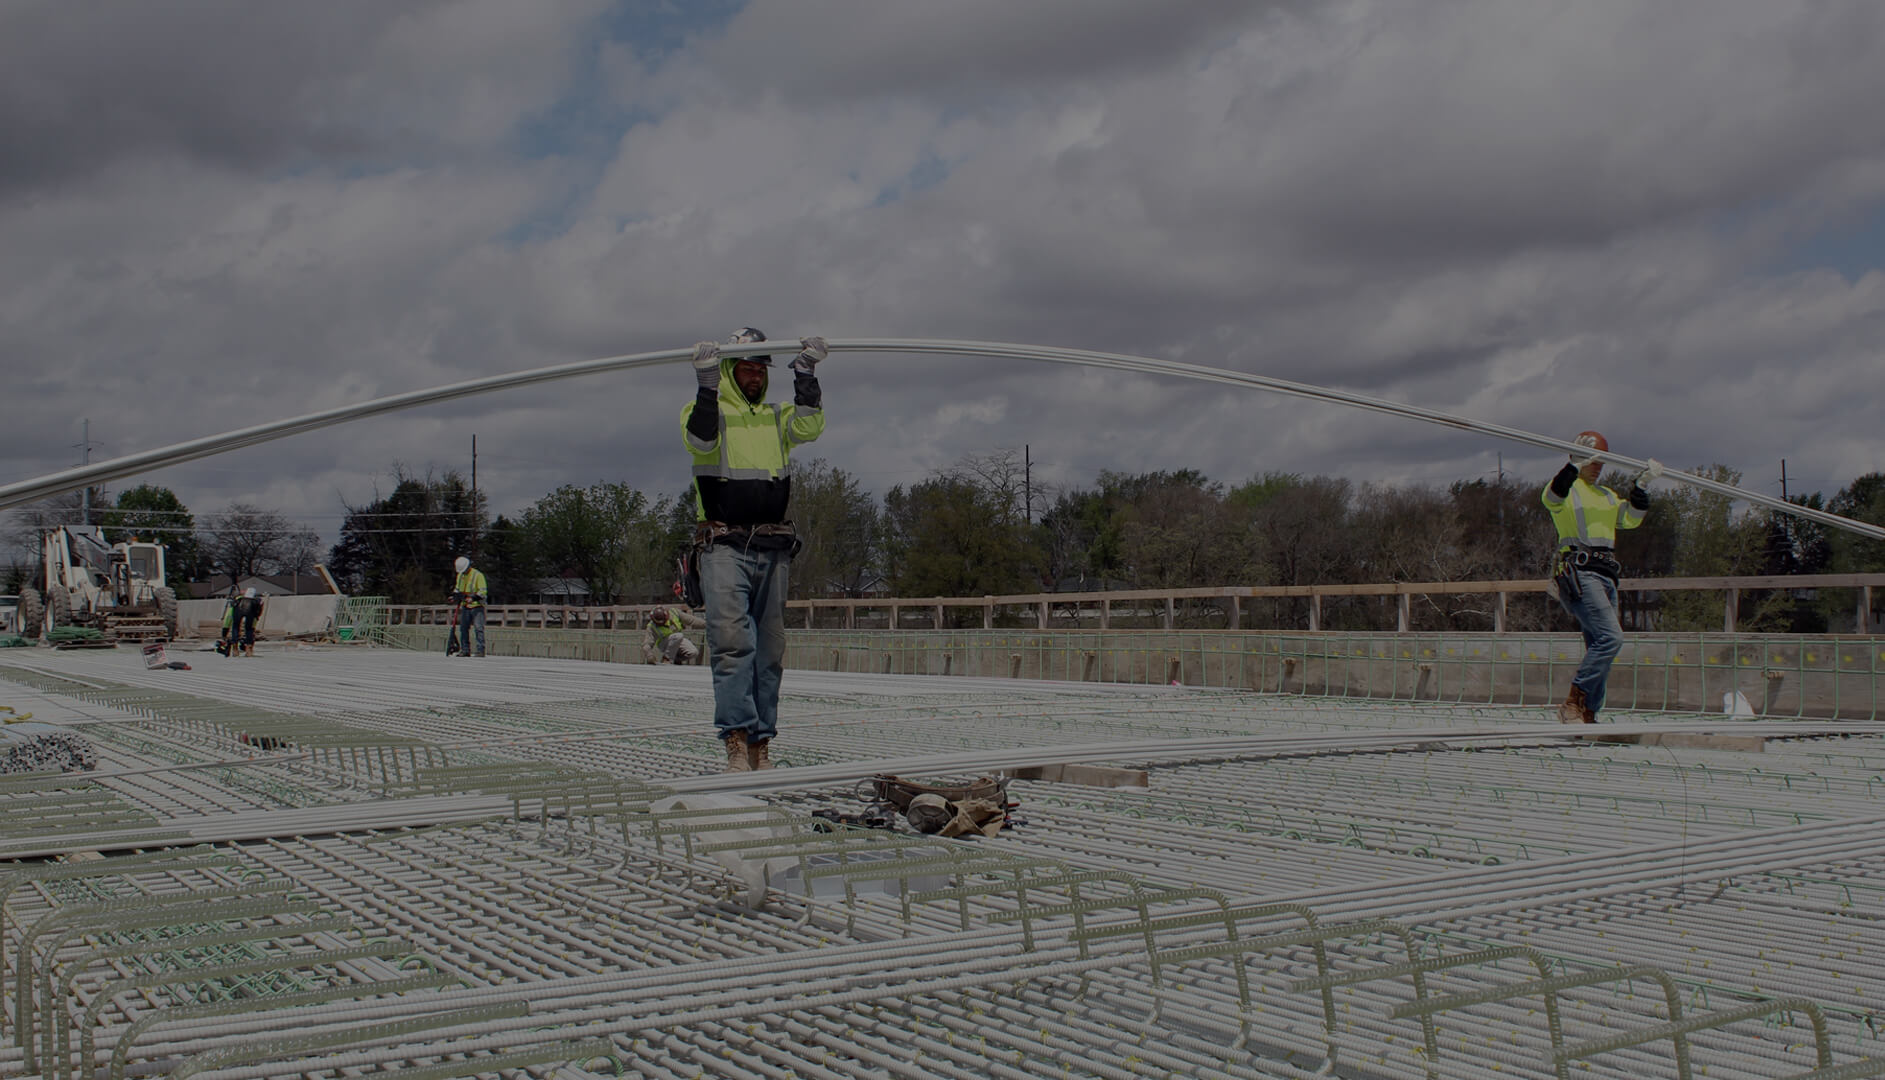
{"x": 318, "y": 583}
{"x": 558, "y": 592}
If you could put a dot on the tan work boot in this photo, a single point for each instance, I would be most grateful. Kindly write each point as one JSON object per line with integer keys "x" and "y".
{"x": 737, "y": 759}
{"x": 1573, "y": 710}
{"x": 758, "y": 755}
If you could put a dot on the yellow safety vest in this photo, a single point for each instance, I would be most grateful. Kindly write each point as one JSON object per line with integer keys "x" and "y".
{"x": 471, "y": 584}
{"x": 1591, "y": 515}
{"x": 754, "y": 441}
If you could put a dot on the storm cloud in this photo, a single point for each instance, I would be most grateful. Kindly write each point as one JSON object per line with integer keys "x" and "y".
{"x": 1662, "y": 219}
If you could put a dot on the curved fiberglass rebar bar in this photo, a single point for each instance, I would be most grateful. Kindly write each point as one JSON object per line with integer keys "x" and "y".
{"x": 72, "y": 479}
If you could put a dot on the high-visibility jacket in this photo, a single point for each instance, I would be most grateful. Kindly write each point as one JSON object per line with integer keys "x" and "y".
{"x": 663, "y": 630}
{"x": 1590, "y": 515}
{"x": 472, "y": 587}
{"x": 743, "y": 476}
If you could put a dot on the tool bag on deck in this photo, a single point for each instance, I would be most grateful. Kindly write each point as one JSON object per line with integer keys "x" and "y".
{"x": 980, "y": 806}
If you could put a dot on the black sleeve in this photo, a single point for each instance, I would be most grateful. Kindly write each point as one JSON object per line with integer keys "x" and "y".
{"x": 1561, "y": 483}
{"x": 704, "y": 422}
{"x": 805, "y": 391}
{"x": 1639, "y": 498}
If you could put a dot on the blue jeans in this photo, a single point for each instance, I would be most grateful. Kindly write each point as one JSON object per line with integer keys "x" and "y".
{"x": 745, "y": 593}
{"x": 468, "y": 618}
{"x": 1596, "y": 612}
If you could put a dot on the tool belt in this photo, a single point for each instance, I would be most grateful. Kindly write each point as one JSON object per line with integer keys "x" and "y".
{"x": 893, "y": 789}
{"x": 1574, "y": 557}
{"x": 980, "y": 806}
{"x": 769, "y": 536}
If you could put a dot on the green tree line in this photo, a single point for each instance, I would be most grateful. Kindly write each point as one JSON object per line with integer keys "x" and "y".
{"x": 977, "y": 528}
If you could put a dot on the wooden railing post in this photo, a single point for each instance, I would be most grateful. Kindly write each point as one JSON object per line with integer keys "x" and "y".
{"x": 1403, "y": 613}
{"x": 1498, "y": 614}
{"x": 1315, "y": 612}
{"x": 1728, "y": 611}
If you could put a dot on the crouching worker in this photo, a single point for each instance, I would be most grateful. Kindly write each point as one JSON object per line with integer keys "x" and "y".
{"x": 226, "y": 641}
{"x": 663, "y": 642}
{"x": 1585, "y": 570}
{"x": 244, "y": 613}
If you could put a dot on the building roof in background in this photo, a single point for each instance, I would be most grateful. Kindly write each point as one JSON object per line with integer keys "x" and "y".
{"x": 315, "y": 584}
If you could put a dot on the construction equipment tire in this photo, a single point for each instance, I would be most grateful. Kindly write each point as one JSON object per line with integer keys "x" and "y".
{"x": 32, "y": 614}
{"x": 167, "y": 609}
{"x": 58, "y": 609}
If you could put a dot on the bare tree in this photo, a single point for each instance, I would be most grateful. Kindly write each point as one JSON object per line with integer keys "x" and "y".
{"x": 1001, "y": 478}
{"x": 300, "y": 553}
{"x": 245, "y": 540}
{"x": 1300, "y": 526}
{"x": 20, "y": 540}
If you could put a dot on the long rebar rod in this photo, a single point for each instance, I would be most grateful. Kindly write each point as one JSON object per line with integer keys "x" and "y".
{"x": 131, "y": 464}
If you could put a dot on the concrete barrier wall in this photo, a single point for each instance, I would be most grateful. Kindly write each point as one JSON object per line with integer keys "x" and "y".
{"x": 1807, "y": 676}
{"x": 1778, "y": 675}
{"x": 282, "y": 616}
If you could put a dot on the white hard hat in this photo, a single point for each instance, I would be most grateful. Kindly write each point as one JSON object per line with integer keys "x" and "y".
{"x": 463, "y": 564}
{"x": 746, "y": 335}
{"x": 249, "y": 592}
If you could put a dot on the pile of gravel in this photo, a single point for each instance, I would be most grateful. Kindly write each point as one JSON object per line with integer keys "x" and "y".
{"x": 30, "y": 747}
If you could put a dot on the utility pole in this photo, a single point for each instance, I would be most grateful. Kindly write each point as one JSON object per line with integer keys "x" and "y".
{"x": 1027, "y": 485}
{"x": 475, "y": 516}
{"x": 1783, "y": 479}
{"x": 1501, "y": 495}
{"x": 85, "y": 497}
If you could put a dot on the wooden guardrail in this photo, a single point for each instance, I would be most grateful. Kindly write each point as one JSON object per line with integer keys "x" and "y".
{"x": 1232, "y": 597}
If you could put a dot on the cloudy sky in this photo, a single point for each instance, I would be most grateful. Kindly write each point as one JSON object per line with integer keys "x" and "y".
{"x": 1661, "y": 218}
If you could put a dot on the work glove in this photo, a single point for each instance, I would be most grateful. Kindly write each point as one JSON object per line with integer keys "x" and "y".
{"x": 813, "y": 349}
{"x": 1581, "y": 458}
{"x": 1649, "y": 475}
{"x": 707, "y": 365}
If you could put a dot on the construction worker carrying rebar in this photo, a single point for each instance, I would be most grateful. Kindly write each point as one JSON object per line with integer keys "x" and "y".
{"x": 1584, "y": 571}
{"x": 741, "y": 446}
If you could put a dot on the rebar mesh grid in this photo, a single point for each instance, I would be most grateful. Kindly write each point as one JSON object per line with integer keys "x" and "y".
{"x": 446, "y": 867}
